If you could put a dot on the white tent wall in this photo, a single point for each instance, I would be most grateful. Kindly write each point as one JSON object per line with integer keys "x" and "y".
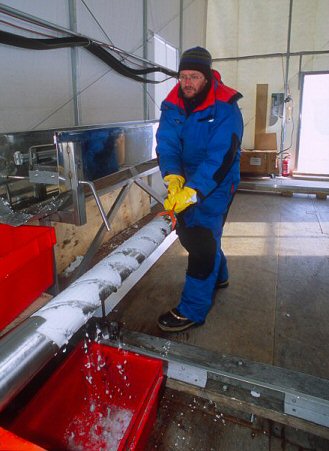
{"x": 181, "y": 25}
{"x": 34, "y": 84}
{"x": 163, "y": 19}
{"x": 107, "y": 96}
{"x": 256, "y": 27}
{"x": 36, "y": 88}
{"x": 194, "y": 23}
{"x": 163, "y": 30}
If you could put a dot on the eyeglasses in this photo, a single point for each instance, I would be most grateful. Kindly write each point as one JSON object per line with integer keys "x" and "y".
{"x": 192, "y": 78}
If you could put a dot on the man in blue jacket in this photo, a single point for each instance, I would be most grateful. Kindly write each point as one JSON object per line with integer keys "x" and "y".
{"x": 198, "y": 147}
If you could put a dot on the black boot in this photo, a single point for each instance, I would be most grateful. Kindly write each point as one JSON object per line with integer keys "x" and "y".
{"x": 173, "y": 321}
{"x": 221, "y": 284}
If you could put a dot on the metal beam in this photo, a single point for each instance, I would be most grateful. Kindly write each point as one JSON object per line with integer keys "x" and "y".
{"x": 286, "y": 89}
{"x": 281, "y": 185}
{"x": 230, "y": 397}
{"x": 98, "y": 239}
{"x": 181, "y": 25}
{"x": 145, "y": 55}
{"x": 271, "y": 55}
{"x": 287, "y": 396}
{"x": 74, "y": 63}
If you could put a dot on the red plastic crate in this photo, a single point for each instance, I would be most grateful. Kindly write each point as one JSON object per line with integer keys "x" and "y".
{"x": 103, "y": 399}
{"x": 10, "y": 442}
{"x": 26, "y": 267}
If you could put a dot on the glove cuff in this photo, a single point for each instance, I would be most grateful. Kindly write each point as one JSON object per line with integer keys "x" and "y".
{"x": 192, "y": 193}
{"x": 174, "y": 178}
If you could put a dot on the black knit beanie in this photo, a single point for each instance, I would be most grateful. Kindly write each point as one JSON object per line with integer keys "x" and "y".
{"x": 198, "y": 59}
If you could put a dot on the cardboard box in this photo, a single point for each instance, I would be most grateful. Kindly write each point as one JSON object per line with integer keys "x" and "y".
{"x": 259, "y": 162}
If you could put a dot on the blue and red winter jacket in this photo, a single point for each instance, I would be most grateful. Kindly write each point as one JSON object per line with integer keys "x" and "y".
{"x": 203, "y": 147}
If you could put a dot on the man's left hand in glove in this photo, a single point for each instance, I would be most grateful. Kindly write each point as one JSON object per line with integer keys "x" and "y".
{"x": 181, "y": 200}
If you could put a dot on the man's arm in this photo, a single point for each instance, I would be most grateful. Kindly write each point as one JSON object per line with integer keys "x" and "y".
{"x": 169, "y": 146}
{"x": 222, "y": 149}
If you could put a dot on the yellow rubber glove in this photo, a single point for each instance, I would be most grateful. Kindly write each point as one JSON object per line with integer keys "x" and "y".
{"x": 168, "y": 204}
{"x": 175, "y": 183}
{"x": 184, "y": 198}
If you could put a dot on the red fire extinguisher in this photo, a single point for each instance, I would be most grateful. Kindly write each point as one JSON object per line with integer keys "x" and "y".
{"x": 285, "y": 166}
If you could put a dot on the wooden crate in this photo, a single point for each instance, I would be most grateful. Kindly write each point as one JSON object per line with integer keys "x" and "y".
{"x": 259, "y": 162}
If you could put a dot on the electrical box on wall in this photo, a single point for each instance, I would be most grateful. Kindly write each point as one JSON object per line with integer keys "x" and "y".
{"x": 277, "y": 101}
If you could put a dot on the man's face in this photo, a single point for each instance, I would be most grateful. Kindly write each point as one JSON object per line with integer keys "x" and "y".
{"x": 192, "y": 82}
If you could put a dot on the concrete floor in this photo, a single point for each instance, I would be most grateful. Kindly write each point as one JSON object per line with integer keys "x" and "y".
{"x": 276, "y": 308}
{"x": 275, "y": 311}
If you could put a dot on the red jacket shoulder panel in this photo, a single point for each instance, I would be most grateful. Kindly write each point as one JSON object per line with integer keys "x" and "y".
{"x": 218, "y": 91}
{"x": 174, "y": 98}
{"x": 223, "y": 92}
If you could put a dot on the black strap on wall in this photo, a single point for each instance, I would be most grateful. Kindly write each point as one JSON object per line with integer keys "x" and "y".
{"x": 94, "y": 48}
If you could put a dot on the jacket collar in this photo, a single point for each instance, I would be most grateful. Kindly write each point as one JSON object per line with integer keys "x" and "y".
{"x": 217, "y": 92}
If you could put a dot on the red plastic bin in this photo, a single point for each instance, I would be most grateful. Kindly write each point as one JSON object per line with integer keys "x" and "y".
{"x": 26, "y": 267}
{"x": 10, "y": 442}
{"x": 103, "y": 399}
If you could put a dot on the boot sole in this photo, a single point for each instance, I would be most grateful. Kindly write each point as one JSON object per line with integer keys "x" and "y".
{"x": 178, "y": 328}
{"x": 222, "y": 285}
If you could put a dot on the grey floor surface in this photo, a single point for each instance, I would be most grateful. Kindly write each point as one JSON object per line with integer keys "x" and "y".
{"x": 276, "y": 308}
